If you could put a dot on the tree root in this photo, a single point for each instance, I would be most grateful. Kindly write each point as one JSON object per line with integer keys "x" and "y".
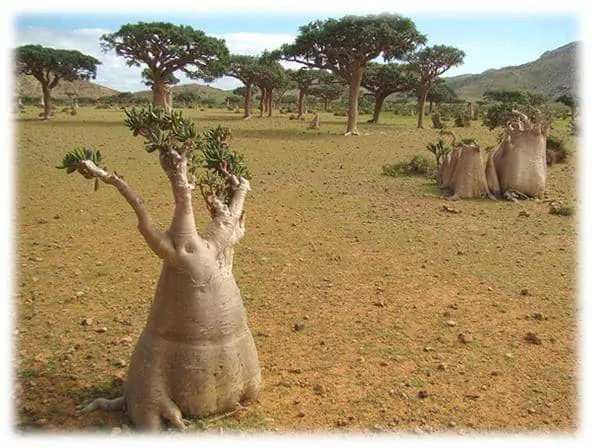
{"x": 116, "y": 404}
{"x": 354, "y": 132}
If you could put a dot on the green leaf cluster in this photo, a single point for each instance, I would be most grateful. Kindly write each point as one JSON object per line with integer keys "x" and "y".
{"x": 72, "y": 159}
{"x": 440, "y": 150}
{"x": 162, "y": 130}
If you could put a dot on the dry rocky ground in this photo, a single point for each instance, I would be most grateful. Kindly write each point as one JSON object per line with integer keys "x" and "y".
{"x": 373, "y": 309}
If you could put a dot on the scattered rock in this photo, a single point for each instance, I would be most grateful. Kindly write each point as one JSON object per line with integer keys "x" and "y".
{"x": 460, "y": 252}
{"x": 532, "y": 338}
{"x": 341, "y": 422}
{"x": 465, "y": 338}
{"x": 79, "y": 293}
{"x": 524, "y": 292}
{"x": 524, "y": 213}
{"x": 451, "y": 424}
{"x": 383, "y": 364}
{"x": 442, "y": 366}
{"x": 422, "y": 394}
{"x": 509, "y": 355}
{"x": 99, "y": 263}
{"x": 101, "y": 330}
{"x": 428, "y": 348}
{"x": 285, "y": 383}
{"x": 301, "y": 414}
{"x": 531, "y": 410}
{"x": 379, "y": 303}
{"x": 120, "y": 363}
{"x": 489, "y": 288}
{"x": 295, "y": 370}
{"x": 472, "y": 396}
{"x": 537, "y": 316}
{"x": 448, "y": 209}
{"x": 87, "y": 322}
{"x": 298, "y": 326}
{"x": 319, "y": 389}
{"x": 451, "y": 323}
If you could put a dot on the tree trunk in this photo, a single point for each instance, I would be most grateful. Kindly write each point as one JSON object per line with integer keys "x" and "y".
{"x": 159, "y": 95}
{"x": 270, "y": 102}
{"x": 378, "y": 106}
{"x": 247, "y": 104}
{"x": 430, "y": 107}
{"x": 262, "y": 102}
{"x": 421, "y": 103}
{"x": 46, "y": 98}
{"x": 353, "y": 89}
{"x": 301, "y": 104}
{"x": 326, "y": 104}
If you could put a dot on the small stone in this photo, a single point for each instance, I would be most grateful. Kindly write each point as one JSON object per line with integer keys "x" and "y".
{"x": 296, "y": 401}
{"x": 495, "y": 373}
{"x": 537, "y": 316}
{"x": 451, "y": 424}
{"x": 422, "y": 394}
{"x": 319, "y": 389}
{"x": 379, "y": 303}
{"x": 306, "y": 317}
{"x": 532, "y": 338}
{"x": 301, "y": 414}
{"x": 442, "y": 366}
{"x": 285, "y": 383}
{"x": 383, "y": 364}
{"x": 295, "y": 370}
{"x": 524, "y": 213}
{"x": 460, "y": 252}
{"x": 99, "y": 263}
{"x": 341, "y": 422}
{"x": 87, "y": 322}
{"x": 531, "y": 410}
{"x": 35, "y": 279}
{"x": 509, "y": 355}
{"x": 101, "y": 330}
{"x": 489, "y": 288}
{"x": 120, "y": 363}
{"x": 79, "y": 294}
{"x": 36, "y": 259}
{"x": 298, "y": 326}
{"x": 42, "y": 221}
{"x": 428, "y": 348}
{"x": 451, "y": 323}
{"x": 465, "y": 338}
{"x": 524, "y": 292}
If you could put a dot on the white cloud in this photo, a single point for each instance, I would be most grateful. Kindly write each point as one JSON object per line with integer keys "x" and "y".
{"x": 113, "y": 71}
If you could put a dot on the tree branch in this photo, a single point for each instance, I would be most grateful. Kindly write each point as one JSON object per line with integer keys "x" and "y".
{"x": 159, "y": 242}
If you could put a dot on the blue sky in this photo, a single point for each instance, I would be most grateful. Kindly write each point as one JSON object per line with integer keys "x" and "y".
{"x": 489, "y": 39}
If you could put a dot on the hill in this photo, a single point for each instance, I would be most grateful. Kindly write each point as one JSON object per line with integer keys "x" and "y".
{"x": 204, "y": 91}
{"x": 552, "y": 74}
{"x": 85, "y": 89}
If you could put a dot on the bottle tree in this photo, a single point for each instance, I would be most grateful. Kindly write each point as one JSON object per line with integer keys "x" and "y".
{"x": 196, "y": 355}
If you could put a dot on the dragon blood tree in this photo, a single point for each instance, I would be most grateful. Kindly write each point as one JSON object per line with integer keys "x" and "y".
{"x": 196, "y": 355}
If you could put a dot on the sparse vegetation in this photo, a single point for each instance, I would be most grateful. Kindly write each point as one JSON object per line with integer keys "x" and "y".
{"x": 418, "y": 166}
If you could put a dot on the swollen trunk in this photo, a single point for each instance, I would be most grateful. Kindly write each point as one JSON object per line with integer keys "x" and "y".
{"x": 196, "y": 352}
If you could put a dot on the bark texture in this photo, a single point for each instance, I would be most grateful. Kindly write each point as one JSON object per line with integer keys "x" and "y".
{"x": 520, "y": 162}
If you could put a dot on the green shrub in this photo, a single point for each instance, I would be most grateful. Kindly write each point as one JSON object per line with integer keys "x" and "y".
{"x": 561, "y": 210}
{"x": 418, "y": 166}
{"x": 556, "y": 151}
